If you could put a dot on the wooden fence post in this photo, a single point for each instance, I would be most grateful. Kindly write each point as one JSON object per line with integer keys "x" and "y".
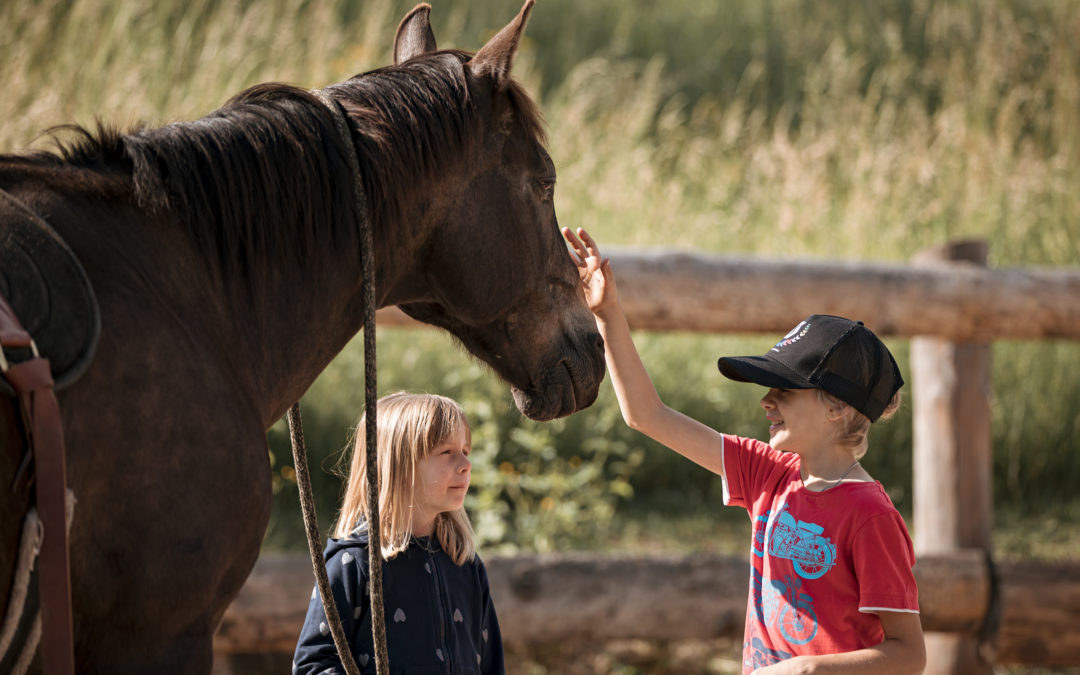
{"x": 953, "y": 504}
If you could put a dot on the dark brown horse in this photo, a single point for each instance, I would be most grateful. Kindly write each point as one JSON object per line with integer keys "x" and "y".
{"x": 224, "y": 256}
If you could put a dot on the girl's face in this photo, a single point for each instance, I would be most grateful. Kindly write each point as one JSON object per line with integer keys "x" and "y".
{"x": 444, "y": 480}
{"x": 799, "y": 420}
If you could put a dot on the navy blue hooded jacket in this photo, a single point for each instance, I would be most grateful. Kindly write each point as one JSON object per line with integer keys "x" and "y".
{"x": 439, "y": 616}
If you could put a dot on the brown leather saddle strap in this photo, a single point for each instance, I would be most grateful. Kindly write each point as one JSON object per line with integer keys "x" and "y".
{"x": 33, "y": 384}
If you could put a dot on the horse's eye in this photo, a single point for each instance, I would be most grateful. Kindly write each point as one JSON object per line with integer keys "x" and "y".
{"x": 547, "y": 188}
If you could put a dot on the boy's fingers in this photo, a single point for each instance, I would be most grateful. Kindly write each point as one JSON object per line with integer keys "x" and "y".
{"x": 575, "y": 243}
{"x": 590, "y": 245}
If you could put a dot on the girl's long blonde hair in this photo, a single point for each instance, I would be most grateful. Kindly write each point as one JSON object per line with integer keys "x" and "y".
{"x": 410, "y": 426}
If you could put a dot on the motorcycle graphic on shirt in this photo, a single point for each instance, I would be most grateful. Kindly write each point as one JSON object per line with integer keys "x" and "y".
{"x": 791, "y": 611}
{"x": 761, "y": 656}
{"x": 780, "y": 603}
{"x": 757, "y": 541}
{"x": 811, "y": 554}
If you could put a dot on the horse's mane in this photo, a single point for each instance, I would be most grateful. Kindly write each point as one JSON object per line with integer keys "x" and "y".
{"x": 272, "y": 154}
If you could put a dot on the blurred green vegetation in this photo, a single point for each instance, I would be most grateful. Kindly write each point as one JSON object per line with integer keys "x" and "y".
{"x": 783, "y": 128}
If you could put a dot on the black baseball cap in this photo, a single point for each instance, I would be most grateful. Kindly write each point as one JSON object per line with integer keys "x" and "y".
{"x": 841, "y": 356}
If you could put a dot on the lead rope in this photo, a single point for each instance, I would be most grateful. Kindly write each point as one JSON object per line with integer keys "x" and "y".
{"x": 303, "y": 479}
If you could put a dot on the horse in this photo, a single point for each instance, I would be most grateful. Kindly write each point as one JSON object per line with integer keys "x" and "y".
{"x": 224, "y": 257}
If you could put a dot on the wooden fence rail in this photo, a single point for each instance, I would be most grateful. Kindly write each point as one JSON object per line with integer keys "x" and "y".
{"x": 581, "y": 598}
{"x": 671, "y": 291}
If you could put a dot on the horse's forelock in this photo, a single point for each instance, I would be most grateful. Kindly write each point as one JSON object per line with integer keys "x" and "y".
{"x": 419, "y": 116}
{"x": 413, "y": 119}
{"x": 528, "y": 112}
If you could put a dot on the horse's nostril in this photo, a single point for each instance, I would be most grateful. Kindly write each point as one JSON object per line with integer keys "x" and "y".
{"x": 598, "y": 340}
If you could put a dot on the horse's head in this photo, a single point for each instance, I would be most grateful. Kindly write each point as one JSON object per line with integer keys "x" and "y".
{"x": 493, "y": 268}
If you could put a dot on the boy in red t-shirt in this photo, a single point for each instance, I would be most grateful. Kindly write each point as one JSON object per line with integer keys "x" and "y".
{"x": 831, "y": 587}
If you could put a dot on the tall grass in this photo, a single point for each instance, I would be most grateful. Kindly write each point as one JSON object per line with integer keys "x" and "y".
{"x": 783, "y": 128}
{"x": 880, "y": 142}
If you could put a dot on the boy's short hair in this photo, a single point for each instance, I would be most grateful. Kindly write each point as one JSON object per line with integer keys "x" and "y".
{"x": 854, "y": 432}
{"x": 838, "y": 355}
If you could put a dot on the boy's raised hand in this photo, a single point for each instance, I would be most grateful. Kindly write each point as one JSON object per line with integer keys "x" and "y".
{"x": 597, "y": 280}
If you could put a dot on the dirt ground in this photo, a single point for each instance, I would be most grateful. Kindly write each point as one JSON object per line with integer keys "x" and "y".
{"x": 621, "y": 657}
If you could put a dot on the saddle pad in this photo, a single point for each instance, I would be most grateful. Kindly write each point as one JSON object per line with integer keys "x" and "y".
{"x": 49, "y": 292}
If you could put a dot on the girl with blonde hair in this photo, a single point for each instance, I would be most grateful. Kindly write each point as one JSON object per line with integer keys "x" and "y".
{"x": 438, "y": 608}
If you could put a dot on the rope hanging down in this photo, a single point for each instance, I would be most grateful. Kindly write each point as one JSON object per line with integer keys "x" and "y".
{"x": 303, "y": 479}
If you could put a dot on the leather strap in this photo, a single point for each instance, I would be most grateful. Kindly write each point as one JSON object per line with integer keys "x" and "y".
{"x": 12, "y": 333}
{"x": 33, "y": 384}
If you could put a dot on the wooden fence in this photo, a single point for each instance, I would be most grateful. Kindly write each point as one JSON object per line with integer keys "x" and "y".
{"x": 977, "y": 611}
{"x": 677, "y": 291}
{"x": 567, "y": 598}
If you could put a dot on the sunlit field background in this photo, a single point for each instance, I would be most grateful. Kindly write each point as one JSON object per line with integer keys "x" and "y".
{"x": 795, "y": 129}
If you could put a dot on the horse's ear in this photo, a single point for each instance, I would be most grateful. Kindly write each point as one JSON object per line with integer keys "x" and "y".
{"x": 414, "y": 36}
{"x": 494, "y": 58}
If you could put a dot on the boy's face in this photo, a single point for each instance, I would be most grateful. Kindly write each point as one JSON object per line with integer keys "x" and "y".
{"x": 799, "y": 420}
{"x": 444, "y": 476}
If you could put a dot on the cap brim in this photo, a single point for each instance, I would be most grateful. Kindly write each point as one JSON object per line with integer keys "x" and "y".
{"x": 761, "y": 370}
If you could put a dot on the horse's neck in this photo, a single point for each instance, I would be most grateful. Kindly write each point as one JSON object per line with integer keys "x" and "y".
{"x": 304, "y": 315}
{"x": 297, "y": 323}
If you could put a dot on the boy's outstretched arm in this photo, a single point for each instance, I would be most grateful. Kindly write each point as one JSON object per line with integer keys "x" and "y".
{"x": 639, "y": 403}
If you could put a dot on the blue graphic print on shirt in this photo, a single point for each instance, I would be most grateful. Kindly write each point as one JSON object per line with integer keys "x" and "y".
{"x": 793, "y": 612}
{"x": 800, "y": 542}
{"x": 780, "y": 602}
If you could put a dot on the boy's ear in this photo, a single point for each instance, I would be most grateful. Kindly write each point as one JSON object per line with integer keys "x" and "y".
{"x": 835, "y": 412}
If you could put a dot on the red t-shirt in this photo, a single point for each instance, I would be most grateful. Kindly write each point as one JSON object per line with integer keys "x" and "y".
{"x": 822, "y": 563}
